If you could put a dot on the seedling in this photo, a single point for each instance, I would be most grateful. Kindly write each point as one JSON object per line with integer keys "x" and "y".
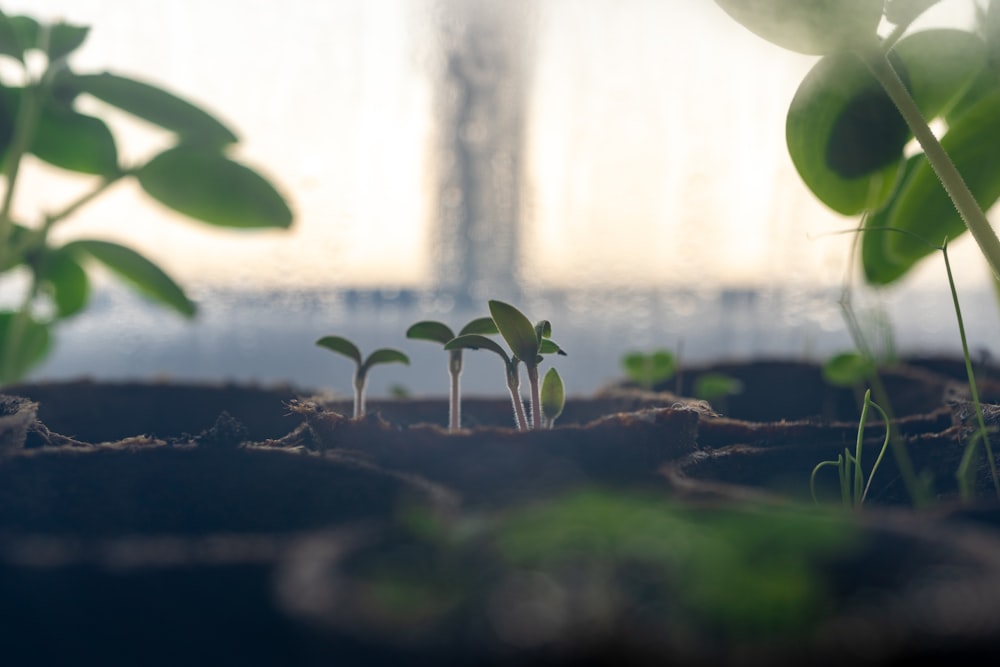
{"x": 648, "y": 369}
{"x": 527, "y": 344}
{"x": 850, "y": 123}
{"x": 39, "y": 118}
{"x": 716, "y": 388}
{"x": 382, "y": 355}
{"x": 553, "y": 397}
{"x": 439, "y": 332}
{"x": 853, "y": 487}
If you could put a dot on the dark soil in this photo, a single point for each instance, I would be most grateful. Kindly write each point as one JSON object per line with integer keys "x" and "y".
{"x": 149, "y": 524}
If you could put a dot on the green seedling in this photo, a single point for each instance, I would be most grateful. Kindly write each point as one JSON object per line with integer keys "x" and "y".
{"x": 527, "y": 344}
{"x": 649, "y": 369}
{"x": 438, "y": 332}
{"x": 382, "y": 355}
{"x": 40, "y": 119}
{"x": 716, "y": 388}
{"x": 553, "y": 397}
{"x": 853, "y": 487}
{"x": 852, "y": 120}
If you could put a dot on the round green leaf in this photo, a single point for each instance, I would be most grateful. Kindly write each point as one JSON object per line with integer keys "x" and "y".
{"x": 709, "y": 386}
{"x": 74, "y": 141}
{"x": 65, "y": 280}
{"x": 845, "y": 136}
{"x": 210, "y": 187}
{"x": 26, "y": 350}
{"x": 154, "y": 105}
{"x": 922, "y": 207}
{"x": 814, "y": 27}
{"x": 139, "y": 272}
{"x": 848, "y": 369}
{"x": 649, "y": 369}
{"x": 940, "y": 65}
{"x": 342, "y": 346}
{"x": 436, "y": 332}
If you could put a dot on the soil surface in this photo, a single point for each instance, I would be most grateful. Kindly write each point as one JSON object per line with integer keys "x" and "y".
{"x": 167, "y": 523}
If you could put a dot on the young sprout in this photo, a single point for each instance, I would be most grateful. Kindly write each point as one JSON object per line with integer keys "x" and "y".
{"x": 345, "y": 347}
{"x": 527, "y": 344}
{"x": 553, "y": 397}
{"x": 438, "y": 332}
{"x": 649, "y": 369}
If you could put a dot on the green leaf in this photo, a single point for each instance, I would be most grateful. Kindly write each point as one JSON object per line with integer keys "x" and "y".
{"x": 923, "y": 208}
{"x": 342, "y": 346}
{"x": 549, "y": 346}
{"x": 940, "y": 65}
{"x": 845, "y": 136}
{"x": 154, "y": 105}
{"x": 480, "y": 325}
{"x": 476, "y": 342}
{"x": 708, "y": 386}
{"x": 517, "y": 330}
{"x": 140, "y": 272}
{"x": 64, "y": 39}
{"x": 29, "y": 350}
{"x": 649, "y": 369}
{"x": 61, "y": 275}
{"x": 12, "y": 43}
{"x": 208, "y": 186}
{"x": 436, "y": 332}
{"x": 74, "y": 141}
{"x": 553, "y": 395}
{"x": 385, "y": 355}
{"x": 814, "y": 27}
{"x": 848, "y": 369}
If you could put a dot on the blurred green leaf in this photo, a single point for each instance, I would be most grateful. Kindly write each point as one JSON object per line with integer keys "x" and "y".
{"x": 814, "y": 27}
{"x": 29, "y": 350}
{"x": 649, "y": 369}
{"x": 138, "y": 271}
{"x": 74, "y": 141}
{"x": 12, "y": 43}
{"x": 64, "y": 39}
{"x": 436, "y": 332}
{"x": 845, "y": 136}
{"x": 210, "y": 187}
{"x": 939, "y": 65}
{"x": 923, "y": 208}
{"x": 517, "y": 330}
{"x": 848, "y": 369}
{"x": 341, "y": 345}
{"x": 66, "y": 281}
{"x": 476, "y": 342}
{"x": 154, "y": 105}
{"x": 711, "y": 386}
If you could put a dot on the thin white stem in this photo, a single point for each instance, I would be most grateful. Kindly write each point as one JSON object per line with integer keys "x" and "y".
{"x": 536, "y": 397}
{"x": 455, "y": 402}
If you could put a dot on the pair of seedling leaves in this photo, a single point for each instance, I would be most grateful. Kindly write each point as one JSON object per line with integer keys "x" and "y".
{"x": 849, "y": 142}
{"x": 527, "y": 344}
{"x": 194, "y": 176}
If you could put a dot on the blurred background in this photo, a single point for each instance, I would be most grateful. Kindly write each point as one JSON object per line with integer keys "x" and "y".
{"x": 615, "y": 166}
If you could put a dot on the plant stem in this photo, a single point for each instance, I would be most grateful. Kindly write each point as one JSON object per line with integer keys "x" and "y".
{"x": 962, "y": 474}
{"x": 536, "y": 398}
{"x": 968, "y": 208}
{"x": 359, "y": 394}
{"x": 514, "y": 385}
{"x": 454, "y": 404}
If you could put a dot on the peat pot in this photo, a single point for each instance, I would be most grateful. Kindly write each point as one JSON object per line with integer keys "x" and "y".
{"x": 170, "y": 523}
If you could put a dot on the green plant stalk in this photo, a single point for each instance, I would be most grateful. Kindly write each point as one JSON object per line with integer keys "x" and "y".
{"x": 536, "y": 396}
{"x": 359, "y": 393}
{"x": 514, "y": 386}
{"x": 968, "y": 208}
{"x": 455, "y": 390}
{"x": 962, "y": 474}
{"x": 885, "y": 445}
